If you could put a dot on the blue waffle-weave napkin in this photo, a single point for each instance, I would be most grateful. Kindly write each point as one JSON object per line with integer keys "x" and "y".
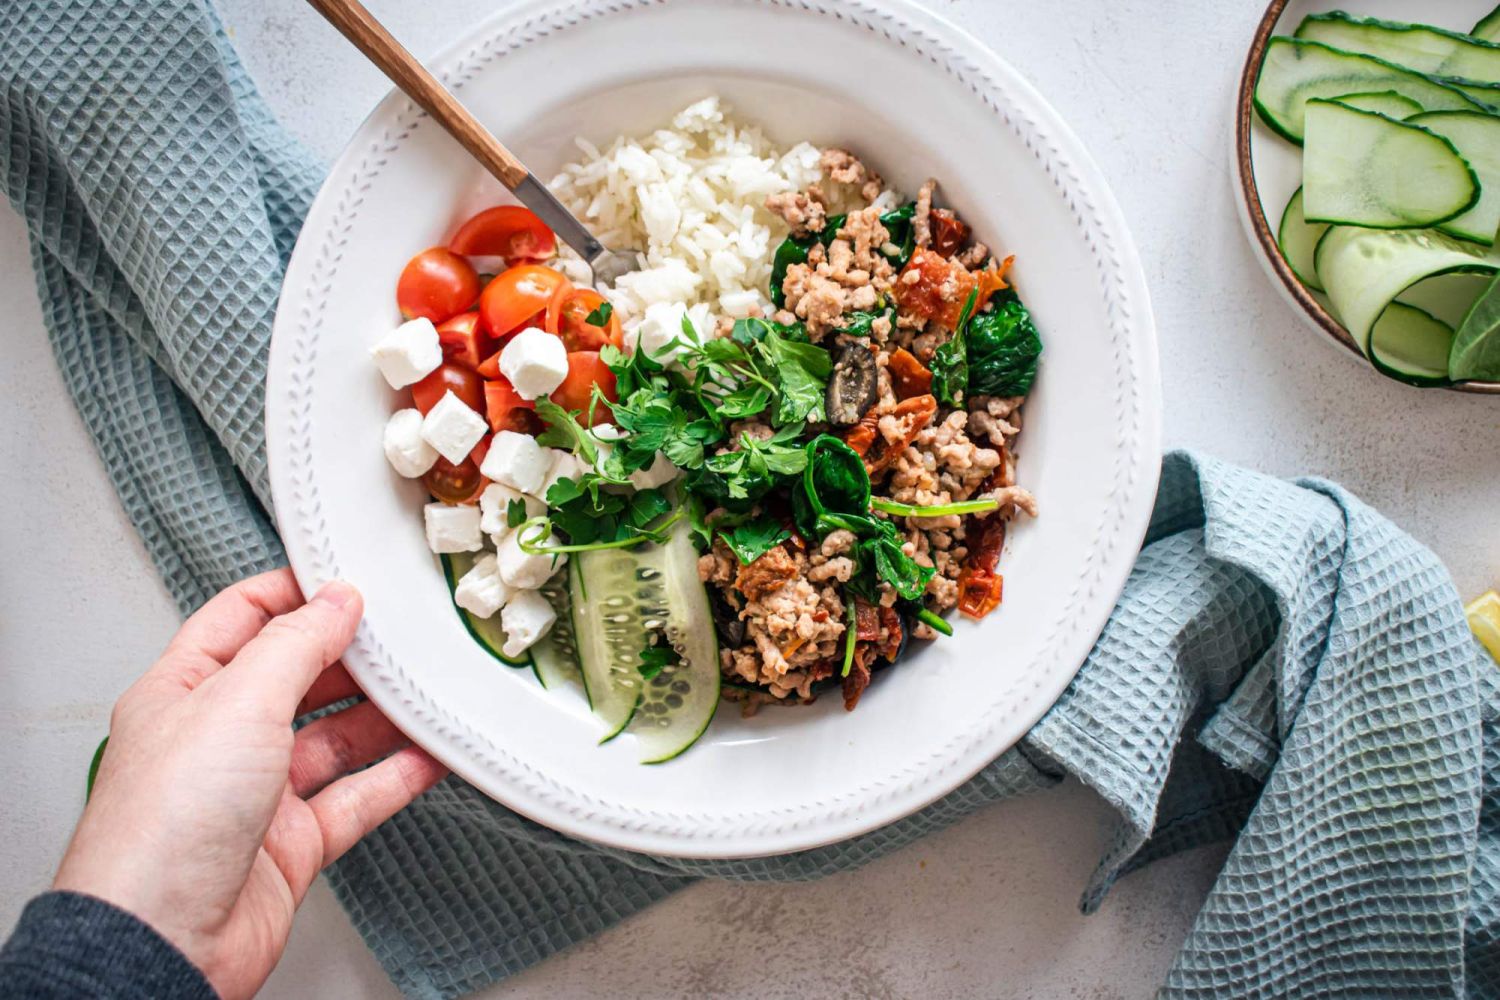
{"x": 1285, "y": 667}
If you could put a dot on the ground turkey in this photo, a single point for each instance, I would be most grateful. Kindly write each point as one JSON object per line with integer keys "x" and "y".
{"x": 793, "y": 614}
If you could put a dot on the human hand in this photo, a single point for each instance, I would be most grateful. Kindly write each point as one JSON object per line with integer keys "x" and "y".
{"x": 210, "y": 817}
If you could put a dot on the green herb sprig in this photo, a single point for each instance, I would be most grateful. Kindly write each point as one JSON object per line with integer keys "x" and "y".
{"x": 933, "y": 510}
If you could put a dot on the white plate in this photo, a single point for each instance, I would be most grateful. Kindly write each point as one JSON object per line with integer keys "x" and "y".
{"x": 788, "y": 779}
{"x": 1276, "y": 166}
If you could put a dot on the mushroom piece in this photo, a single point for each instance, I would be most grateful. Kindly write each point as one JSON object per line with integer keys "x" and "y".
{"x": 726, "y": 621}
{"x": 853, "y": 388}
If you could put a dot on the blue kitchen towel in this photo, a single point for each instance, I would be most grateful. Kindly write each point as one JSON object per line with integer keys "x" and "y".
{"x": 1285, "y": 667}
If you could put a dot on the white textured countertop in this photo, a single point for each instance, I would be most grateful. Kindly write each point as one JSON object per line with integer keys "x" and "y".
{"x": 987, "y": 908}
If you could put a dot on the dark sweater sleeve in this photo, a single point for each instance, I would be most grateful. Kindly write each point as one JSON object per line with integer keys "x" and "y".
{"x": 71, "y": 945}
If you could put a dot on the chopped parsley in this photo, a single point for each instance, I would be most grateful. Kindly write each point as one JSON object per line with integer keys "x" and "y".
{"x": 752, "y": 538}
{"x": 655, "y": 658}
{"x": 600, "y": 316}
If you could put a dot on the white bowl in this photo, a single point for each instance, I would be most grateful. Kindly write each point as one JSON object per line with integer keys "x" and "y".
{"x": 914, "y": 96}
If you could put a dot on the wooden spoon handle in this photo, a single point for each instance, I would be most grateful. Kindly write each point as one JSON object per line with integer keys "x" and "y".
{"x": 370, "y": 37}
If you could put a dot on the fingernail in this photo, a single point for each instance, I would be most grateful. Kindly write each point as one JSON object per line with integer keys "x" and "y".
{"x": 337, "y": 594}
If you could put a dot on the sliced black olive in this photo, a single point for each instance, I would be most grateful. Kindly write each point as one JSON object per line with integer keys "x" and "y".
{"x": 854, "y": 386}
{"x": 726, "y": 621}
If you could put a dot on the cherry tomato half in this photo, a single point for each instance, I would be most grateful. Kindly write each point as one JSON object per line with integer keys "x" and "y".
{"x": 501, "y": 401}
{"x": 453, "y": 483}
{"x": 508, "y": 231}
{"x": 436, "y": 284}
{"x": 480, "y": 450}
{"x": 585, "y": 371}
{"x": 553, "y": 316}
{"x": 463, "y": 383}
{"x": 577, "y": 333}
{"x": 516, "y": 295}
{"x": 463, "y": 339}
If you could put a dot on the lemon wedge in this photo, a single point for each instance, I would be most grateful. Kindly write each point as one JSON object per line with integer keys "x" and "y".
{"x": 1484, "y": 619}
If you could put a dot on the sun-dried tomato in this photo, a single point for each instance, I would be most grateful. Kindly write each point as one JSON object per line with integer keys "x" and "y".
{"x": 992, "y": 280}
{"x": 866, "y": 621}
{"x": 911, "y": 415}
{"x": 890, "y": 620}
{"x": 979, "y": 591}
{"x": 980, "y": 585}
{"x": 909, "y": 377}
{"x": 938, "y": 291}
{"x": 858, "y": 677}
{"x": 862, "y": 435}
{"x": 949, "y": 233}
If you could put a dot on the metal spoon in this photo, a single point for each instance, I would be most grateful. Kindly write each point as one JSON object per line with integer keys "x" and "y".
{"x": 358, "y": 25}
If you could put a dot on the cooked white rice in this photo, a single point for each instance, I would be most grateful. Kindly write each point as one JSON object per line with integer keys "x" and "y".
{"x": 692, "y": 197}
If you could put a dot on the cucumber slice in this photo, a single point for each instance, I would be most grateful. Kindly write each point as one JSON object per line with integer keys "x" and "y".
{"x": 1295, "y": 71}
{"x": 1419, "y": 47}
{"x": 609, "y": 615}
{"x": 1448, "y": 297}
{"x": 1487, "y": 94}
{"x": 1364, "y": 270}
{"x": 1364, "y": 169}
{"x": 554, "y": 657}
{"x": 1382, "y": 102}
{"x": 678, "y": 704}
{"x": 486, "y": 631}
{"x": 621, "y": 597}
{"x": 1488, "y": 27}
{"x": 1476, "y": 136}
{"x": 1298, "y": 240}
{"x": 1411, "y": 345}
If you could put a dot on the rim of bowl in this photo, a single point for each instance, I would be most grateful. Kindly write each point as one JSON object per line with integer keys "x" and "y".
{"x": 1261, "y": 226}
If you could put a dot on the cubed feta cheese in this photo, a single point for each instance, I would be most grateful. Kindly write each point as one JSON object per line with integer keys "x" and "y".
{"x": 408, "y": 353}
{"x": 452, "y": 428}
{"x": 408, "y": 454}
{"x": 452, "y": 529}
{"x": 565, "y": 465}
{"x": 517, "y": 461}
{"x": 494, "y": 507}
{"x": 481, "y": 590}
{"x": 526, "y": 618}
{"x": 535, "y": 361}
{"x": 660, "y": 326}
{"x": 523, "y": 570}
{"x": 660, "y": 473}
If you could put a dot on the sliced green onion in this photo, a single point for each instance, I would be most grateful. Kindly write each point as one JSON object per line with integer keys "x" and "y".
{"x": 936, "y": 621}
{"x": 532, "y": 544}
{"x": 936, "y": 510}
{"x": 849, "y": 639}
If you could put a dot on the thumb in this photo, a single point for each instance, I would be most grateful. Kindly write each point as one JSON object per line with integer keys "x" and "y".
{"x": 275, "y": 669}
